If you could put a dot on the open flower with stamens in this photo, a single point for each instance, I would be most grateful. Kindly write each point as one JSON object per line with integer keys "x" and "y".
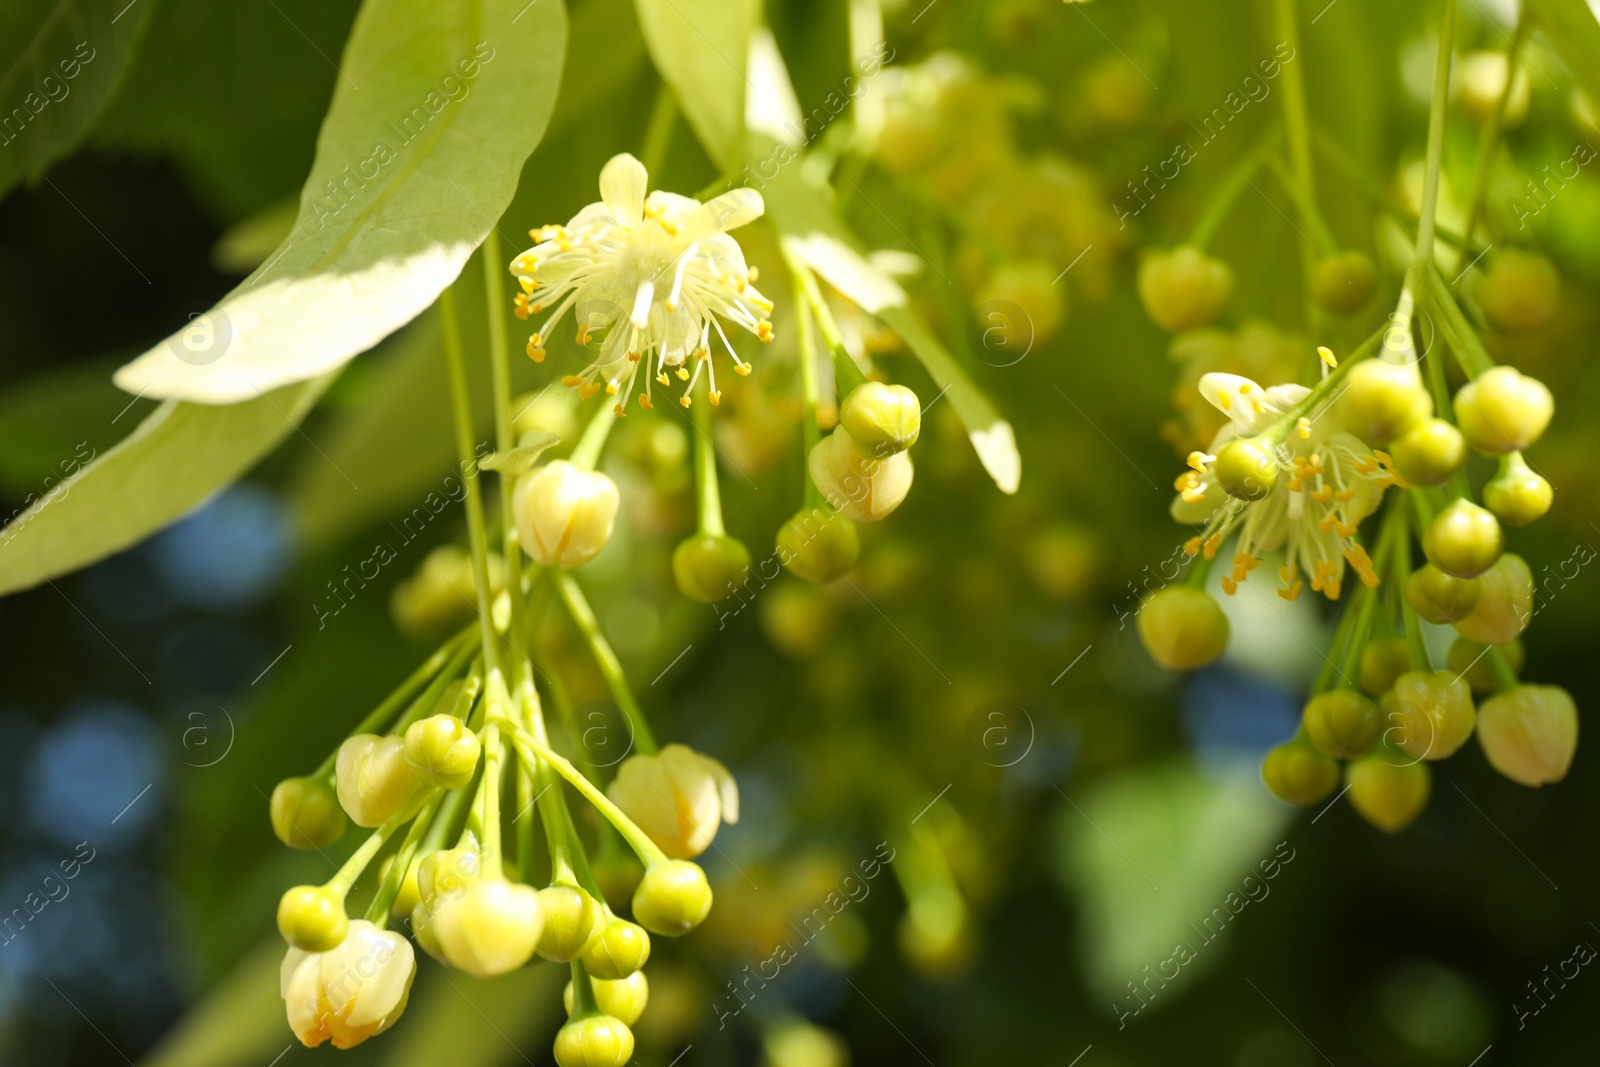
{"x": 647, "y": 278}
{"x": 1328, "y": 481}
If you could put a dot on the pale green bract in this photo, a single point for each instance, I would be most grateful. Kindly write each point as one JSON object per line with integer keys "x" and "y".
{"x": 700, "y": 48}
{"x": 435, "y": 111}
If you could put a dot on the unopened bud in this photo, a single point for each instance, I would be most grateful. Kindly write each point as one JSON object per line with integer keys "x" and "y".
{"x": 1387, "y": 789}
{"x": 1463, "y": 540}
{"x": 621, "y": 949}
{"x": 1383, "y": 659}
{"x": 1505, "y": 603}
{"x": 1517, "y": 495}
{"x": 571, "y": 920}
{"x": 1428, "y": 714}
{"x": 1470, "y": 660}
{"x": 312, "y": 918}
{"x": 1503, "y": 410}
{"x": 1439, "y": 597}
{"x": 1344, "y": 282}
{"x": 818, "y": 545}
{"x": 594, "y": 1040}
{"x": 1183, "y": 288}
{"x": 1298, "y": 774}
{"x": 623, "y": 999}
{"x": 678, "y": 797}
{"x": 1030, "y": 288}
{"x": 1247, "y": 469}
{"x": 1530, "y": 734}
{"x": 442, "y": 750}
{"x": 710, "y": 567}
{"x": 306, "y": 814}
{"x": 374, "y": 781}
{"x": 490, "y": 929}
{"x": 673, "y": 898}
{"x": 1342, "y": 723}
{"x": 1429, "y": 453}
{"x": 1518, "y": 292}
{"x": 1382, "y": 400}
{"x": 881, "y": 419}
{"x": 1182, "y": 628}
{"x": 859, "y": 485}
{"x": 564, "y": 513}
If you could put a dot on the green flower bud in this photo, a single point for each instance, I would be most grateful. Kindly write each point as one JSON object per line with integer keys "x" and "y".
{"x": 489, "y": 929}
{"x": 710, "y": 567}
{"x": 1183, "y": 288}
{"x": 1429, "y": 453}
{"x": 620, "y": 950}
{"x": 564, "y": 514}
{"x": 800, "y": 1044}
{"x": 1344, "y": 282}
{"x": 1428, "y": 714}
{"x": 445, "y": 874}
{"x": 1383, "y": 659}
{"x": 1467, "y": 659}
{"x": 1388, "y": 790}
{"x": 1342, "y": 723}
{"x": 1030, "y": 288}
{"x": 594, "y": 1040}
{"x": 623, "y": 999}
{"x": 673, "y": 898}
{"x": 818, "y": 545}
{"x": 1502, "y": 410}
{"x": 1517, "y": 495}
{"x": 1382, "y": 400}
{"x": 1505, "y": 603}
{"x": 306, "y": 813}
{"x": 1463, "y": 540}
{"x": 1439, "y": 597}
{"x": 1182, "y": 628}
{"x": 858, "y": 485}
{"x": 571, "y": 920}
{"x": 881, "y": 419}
{"x": 442, "y": 751}
{"x": 1298, "y": 774}
{"x": 1530, "y": 734}
{"x": 1518, "y": 292}
{"x": 373, "y": 779}
{"x": 1247, "y": 469}
{"x": 312, "y": 918}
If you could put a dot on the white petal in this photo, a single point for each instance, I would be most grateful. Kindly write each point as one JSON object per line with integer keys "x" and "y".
{"x": 722, "y": 213}
{"x": 622, "y": 187}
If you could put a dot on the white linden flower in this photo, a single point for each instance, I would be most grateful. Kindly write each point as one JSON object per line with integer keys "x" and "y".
{"x": 352, "y": 991}
{"x": 652, "y": 274}
{"x": 1328, "y": 482}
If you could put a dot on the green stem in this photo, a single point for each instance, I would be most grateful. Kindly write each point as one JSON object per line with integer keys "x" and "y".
{"x": 1441, "y": 94}
{"x": 558, "y": 828}
{"x": 847, "y": 375}
{"x": 1278, "y": 432}
{"x": 383, "y": 901}
{"x": 1408, "y": 617}
{"x": 505, "y": 436}
{"x": 707, "y": 493}
{"x": 346, "y": 877}
{"x": 1367, "y": 186}
{"x": 606, "y": 658}
{"x": 1490, "y": 139}
{"x": 811, "y": 431}
{"x": 587, "y": 454}
{"x": 1453, "y": 325}
{"x": 429, "y": 699}
{"x": 658, "y": 134}
{"x": 1294, "y": 101}
{"x": 648, "y": 852}
{"x": 583, "y": 1002}
{"x": 1228, "y": 190}
{"x": 1306, "y": 208}
{"x": 1505, "y": 679}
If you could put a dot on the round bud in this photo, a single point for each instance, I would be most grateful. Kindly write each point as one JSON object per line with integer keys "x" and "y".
{"x": 673, "y": 898}
{"x": 1382, "y": 400}
{"x": 1030, "y": 288}
{"x": 623, "y": 999}
{"x": 594, "y": 1040}
{"x": 620, "y": 950}
{"x": 1483, "y": 77}
{"x": 1298, "y": 774}
{"x": 571, "y": 920}
{"x": 489, "y": 929}
{"x": 564, "y": 514}
{"x": 1183, "y": 288}
{"x": 1428, "y": 714}
{"x": 1502, "y": 410}
{"x": 881, "y": 419}
{"x": 1439, "y": 597}
{"x": 1463, "y": 540}
{"x": 1182, "y": 628}
{"x": 1517, "y": 495}
{"x": 860, "y": 486}
{"x": 1467, "y": 658}
{"x": 709, "y": 567}
{"x": 442, "y": 750}
{"x": 1247, "y": 469}
{"x": 1388, "y": 790}
{"x": 374, "y": 781}
{"x": 312, "y": 918}
{"x": 818, "y": 545}
{"x": 1518, "y": 292}
{"x": 1429, "y": 453}
{"x": 306, "y": 813}
{"x": 1342, "y": 723}
{"x": 1530, "y": 734}
{"x": 1505, "y": 603}
{"x": 1344, "y": 282}
{"x": 1383, "y": 659}
{"x": 445, "y": 874}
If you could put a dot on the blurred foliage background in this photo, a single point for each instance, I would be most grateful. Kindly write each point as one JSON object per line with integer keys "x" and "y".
{"x": 1060, "y": 810}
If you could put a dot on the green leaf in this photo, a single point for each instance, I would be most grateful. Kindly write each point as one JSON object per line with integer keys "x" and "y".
{"x": 240, "y": 1021}
{"x": 55, "y": 422}
{"x": 437, "y": 107}
{"x": 701, "y": 48}
{"x": 60, "y": 63}
{"x": 524, "y": 457}
{"x": 1572, "y": 28}
{"x": 178, "y": 456}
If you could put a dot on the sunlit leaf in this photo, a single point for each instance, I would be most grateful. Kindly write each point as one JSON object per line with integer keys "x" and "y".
{"x": 435, "y": 111}
{"x": 60, "y": 63}
{"x": 179, "y": 455}
{"x": 1573, "y": 29}
{"x": 701, "y": 47}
